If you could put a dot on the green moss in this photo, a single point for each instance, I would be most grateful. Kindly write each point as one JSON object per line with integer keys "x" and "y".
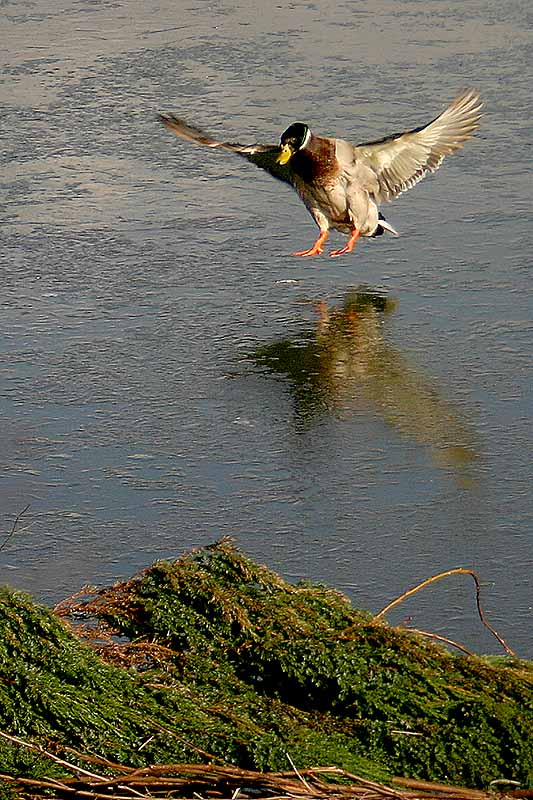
{"x": 250, "y": 668}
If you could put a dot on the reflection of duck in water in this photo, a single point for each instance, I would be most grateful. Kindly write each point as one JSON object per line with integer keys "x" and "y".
{"x": 345, "y": 364}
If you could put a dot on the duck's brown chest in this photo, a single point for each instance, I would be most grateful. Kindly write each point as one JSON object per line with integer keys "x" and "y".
{"x": 317, "y": 164}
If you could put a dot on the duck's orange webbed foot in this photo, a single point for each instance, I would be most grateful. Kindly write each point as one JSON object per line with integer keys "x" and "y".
{"x": 349, "y": 246}
{"x": 317, "y": 248}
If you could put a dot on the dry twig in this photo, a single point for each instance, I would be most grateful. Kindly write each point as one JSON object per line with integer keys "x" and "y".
{"x": 433, "y": 579}
{"x": 14, "y": 527}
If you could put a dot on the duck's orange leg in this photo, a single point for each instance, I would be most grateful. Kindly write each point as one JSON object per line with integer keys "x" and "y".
{"x": 348, "y": 247}
{"x": 317, "y": 248}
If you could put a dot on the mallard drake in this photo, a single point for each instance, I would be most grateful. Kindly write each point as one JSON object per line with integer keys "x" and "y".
{"x": 342, "y": 184}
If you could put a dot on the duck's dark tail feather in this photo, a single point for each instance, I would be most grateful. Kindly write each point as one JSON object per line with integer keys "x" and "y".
{"x": 384, "y": 226}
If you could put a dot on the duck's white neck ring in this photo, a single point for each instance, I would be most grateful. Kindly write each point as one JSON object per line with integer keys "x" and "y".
{"x": 306, "y": 140}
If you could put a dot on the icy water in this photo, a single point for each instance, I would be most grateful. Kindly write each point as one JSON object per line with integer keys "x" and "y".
{"x": 171, "y": 375}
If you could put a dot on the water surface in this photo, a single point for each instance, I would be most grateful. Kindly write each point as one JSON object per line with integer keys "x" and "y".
{"x": 171, "y": 375}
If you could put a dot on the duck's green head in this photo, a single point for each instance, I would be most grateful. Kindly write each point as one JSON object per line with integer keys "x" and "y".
{"x": 293, "y": 139}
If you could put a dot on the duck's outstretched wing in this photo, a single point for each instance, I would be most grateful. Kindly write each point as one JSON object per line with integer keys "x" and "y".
{"x": 401, "y": 160}
{"x": 262, "y": 155}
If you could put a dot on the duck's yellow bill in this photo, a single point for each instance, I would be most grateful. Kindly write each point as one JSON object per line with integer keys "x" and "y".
{"x": 285, "y": 155}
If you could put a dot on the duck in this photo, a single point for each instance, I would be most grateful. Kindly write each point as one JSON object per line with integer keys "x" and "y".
{"x": 342, "y": 185}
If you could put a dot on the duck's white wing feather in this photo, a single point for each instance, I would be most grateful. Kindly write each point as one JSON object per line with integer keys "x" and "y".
{"x": 401, "y": 160}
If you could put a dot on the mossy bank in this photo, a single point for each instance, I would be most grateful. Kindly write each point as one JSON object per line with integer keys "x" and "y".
{"x": 213, "y": 658}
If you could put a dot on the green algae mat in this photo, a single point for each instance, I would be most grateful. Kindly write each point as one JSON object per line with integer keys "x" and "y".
{"x": 213, "y": 659}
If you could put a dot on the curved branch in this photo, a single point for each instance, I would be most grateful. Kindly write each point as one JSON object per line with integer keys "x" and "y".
{"x": 433, "y": 579}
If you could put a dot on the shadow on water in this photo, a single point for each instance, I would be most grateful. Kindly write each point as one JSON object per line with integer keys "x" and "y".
{"x": 345, "y": 365}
